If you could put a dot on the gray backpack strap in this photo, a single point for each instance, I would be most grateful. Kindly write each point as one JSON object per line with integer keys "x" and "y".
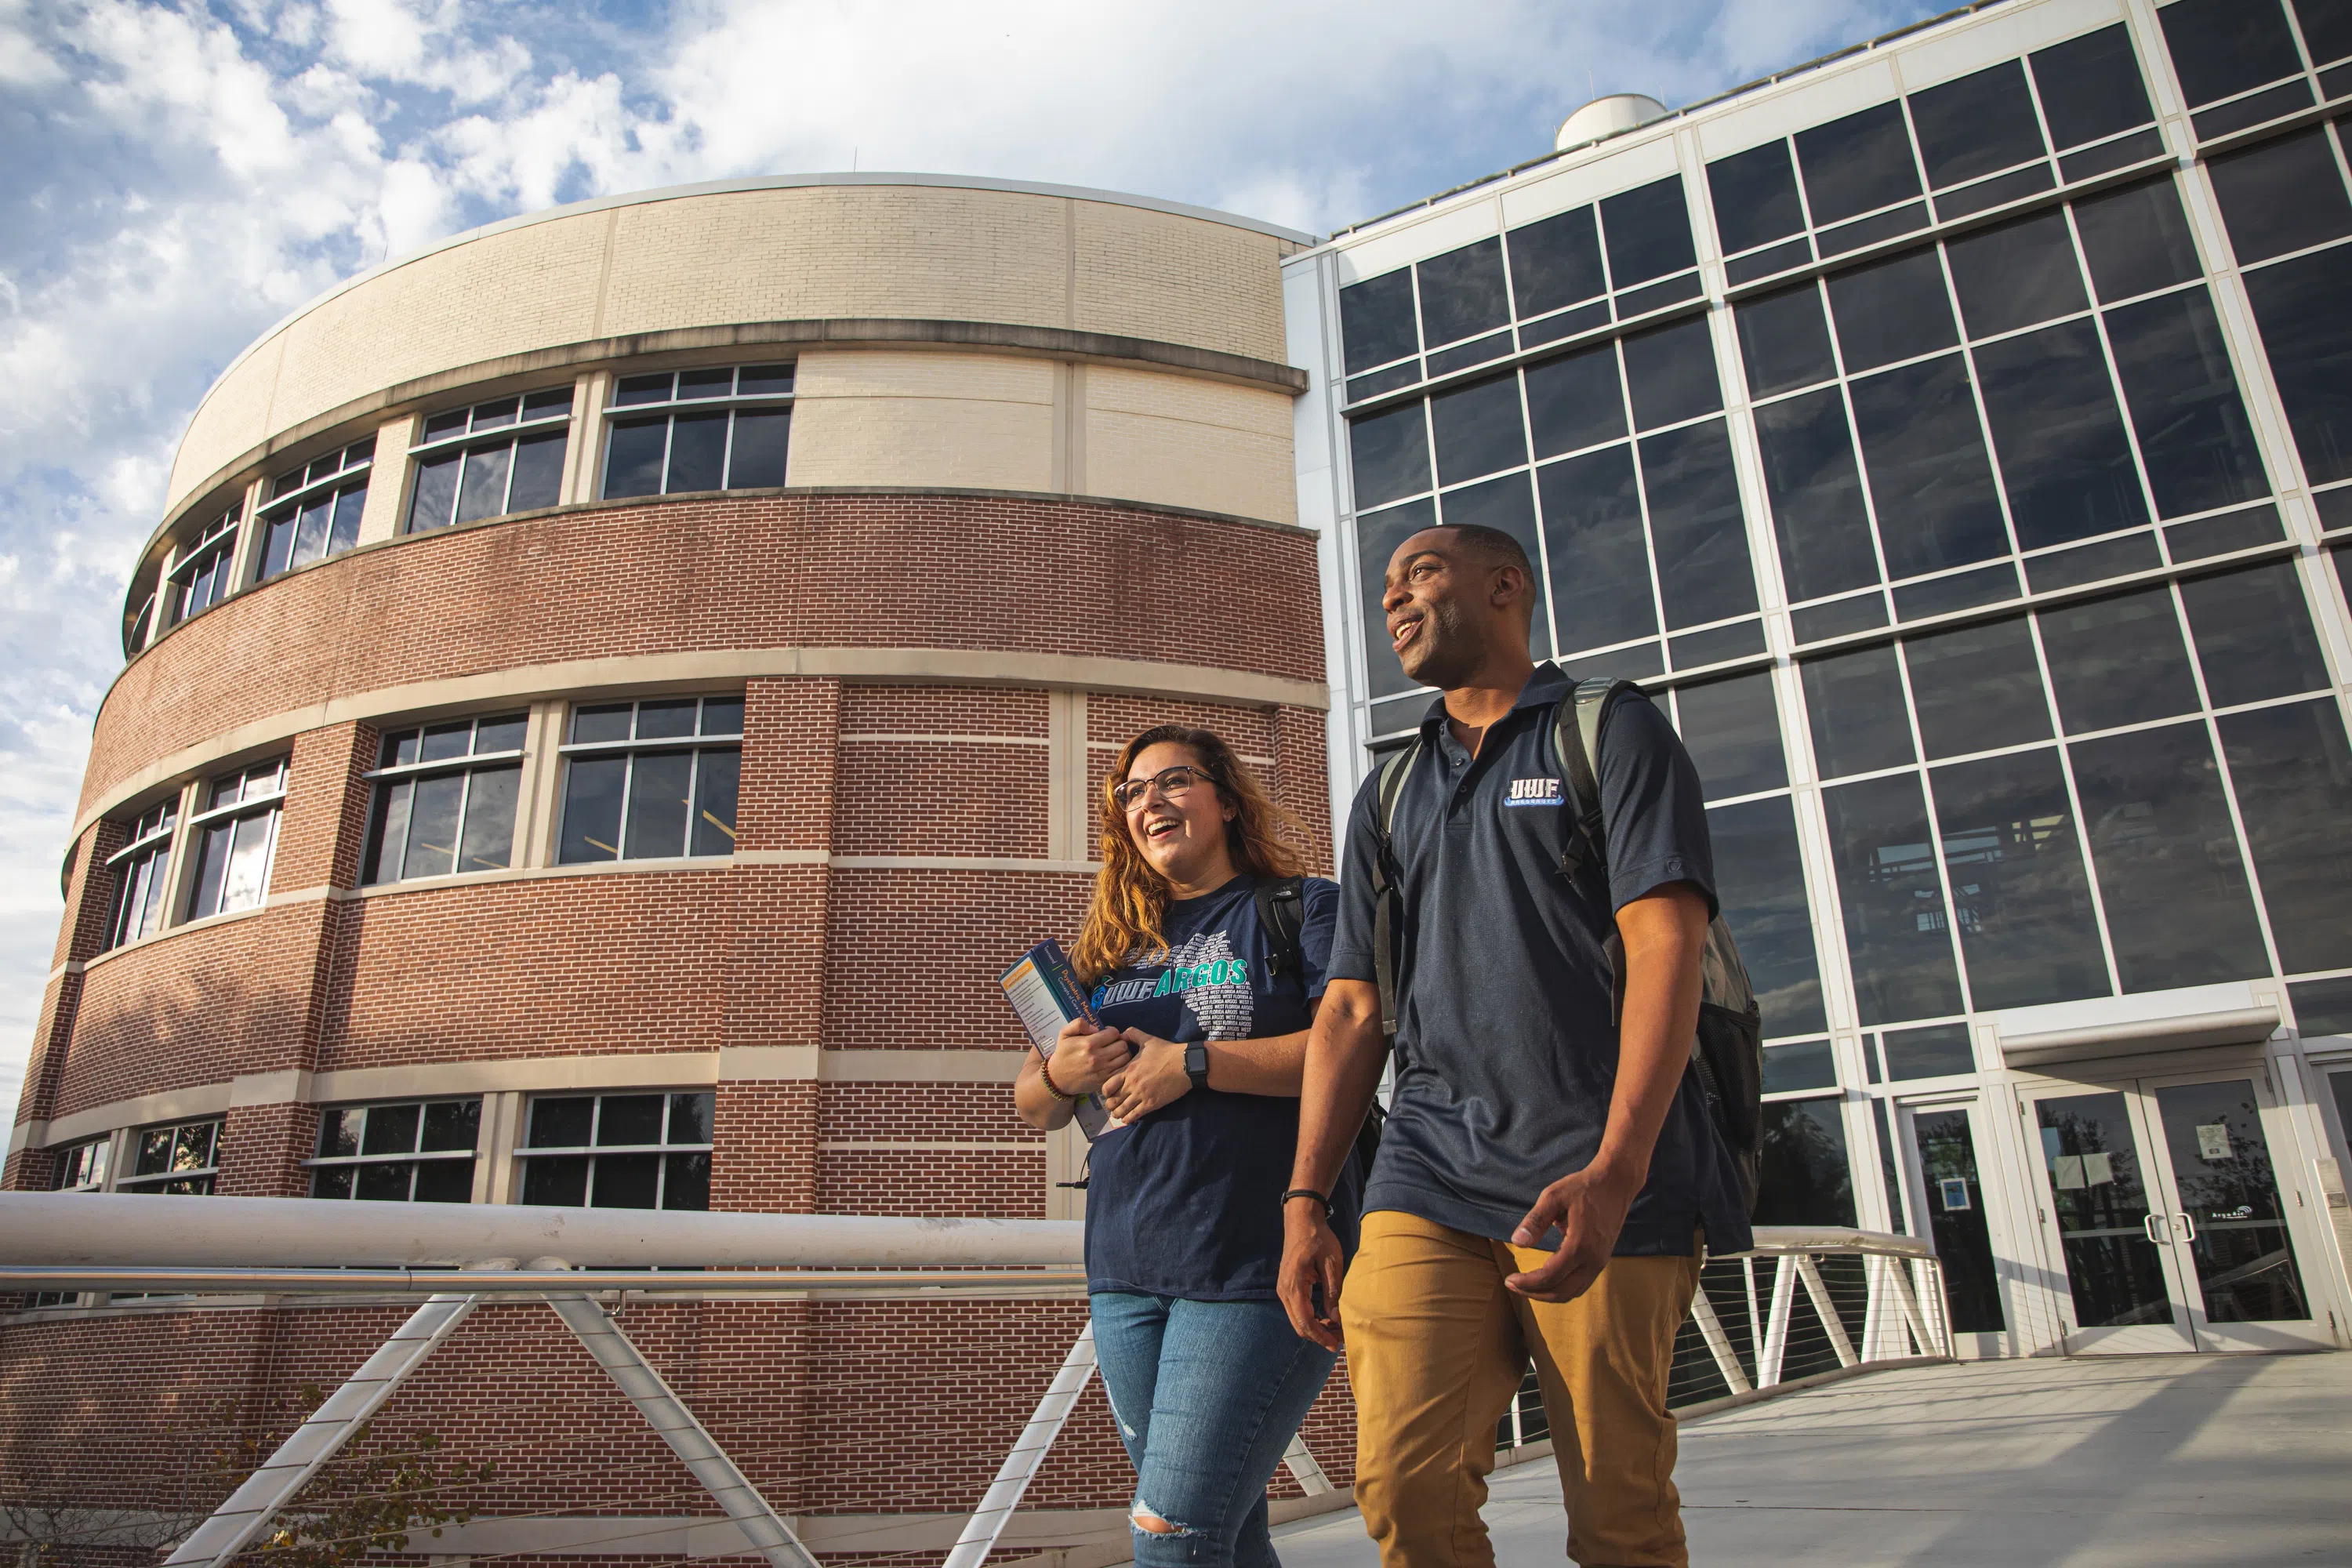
{"x": 1576, "y": 742}
{"x": 1386, "y": 927}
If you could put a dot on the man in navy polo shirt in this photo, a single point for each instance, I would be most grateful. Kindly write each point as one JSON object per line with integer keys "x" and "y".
{"x": 1548, "y": 1177}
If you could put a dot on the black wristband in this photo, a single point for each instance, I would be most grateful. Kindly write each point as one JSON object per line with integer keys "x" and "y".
{"x": 1307, "y": 1193}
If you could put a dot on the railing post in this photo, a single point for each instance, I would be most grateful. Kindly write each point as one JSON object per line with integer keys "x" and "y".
{"x": 1308, "y": 1471}
{"x": 1808, "y": 1270}
{"x": 1029, "y": 1450}
{"x": 1776, "y": 1328}
{"x": 1718, "y": 1343}
{"x": 1873, "y": 1315}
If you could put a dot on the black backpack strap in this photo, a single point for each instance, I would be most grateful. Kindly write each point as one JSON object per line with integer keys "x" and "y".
{"x": 1386, "y": 927}
{"x": 1282, "y": 915}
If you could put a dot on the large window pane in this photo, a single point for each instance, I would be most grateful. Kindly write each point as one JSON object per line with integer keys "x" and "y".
{"x": 1892, "y": 309}
{"x": 2293, "y": 774}
{"x": 1507, "y": 505}
{"x": 633, "y": 459}
{"x": 1477, "y": 430}
{"x": 717, "y": 776}
{"x": 1648, "y": 232}
{"x": 1784, "y": 340}
{"x": 1670, "y": 374}
{"x": 433, "y": 826}
{"x": 1576, "y": 402}
{"x": 1732, "y": 730}
{"x": 1857, "y": 164}
{"x": 1854, "y": 702}
{"x": 1391, "y": 454}
{"x": 1555, "y": 262}
{"x": 2282, "y": 195}
{"x": 763, "y": 438}
{"x": 488, "y": 843}
{"x": 1929, "y": 479}
{"x": 1894, "y": 924}
{"x": 1815, "y": 491}
{"x": 2305, "y": 310}
{"x": 1976, "y": 125}
{"x": 1755, "y": 198}
{"x": 1599, "y": 561}
{"x": 538, "y": 472}
{"x": 2178, "y": 912}
{"x": 2254, "y": 632}
{"x": 2224, "y": 46}
{"x": 1976, "y": 689}
{"x": 2185, "y": 406}
{"x": 1761, "y": 882}
{"x": 2090, "y": 87}
{"x": 697, "y": 453}
{"x": 2117, "y": 661}
{"x": 1801, "y": 1172}
{"x": 2136, "y": 240}
{"x": 2327, "y": 28}
{"x": 1461, "y": 293}
{"x": 1377, "y": 537}
{"x": 1376, "y": 320}
{"x": 435, "y": 493}
{"x": 592, "y": 809}
{"x": 483, "y": 491}
{"x": 2015, "y": 865}
{"x": 1702, "y": 543}
{"x": 659, "y": 801}
{"x": 2016, "y": 275}
{"x": 2062, "y": 450}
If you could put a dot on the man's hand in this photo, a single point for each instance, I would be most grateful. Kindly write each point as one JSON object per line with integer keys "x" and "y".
{"x": 1311, "y": 1264}
{"x": 1590, "y": 1208}
{"x": 1084, "y": 1058}
{"x": 1154, "y": 1077}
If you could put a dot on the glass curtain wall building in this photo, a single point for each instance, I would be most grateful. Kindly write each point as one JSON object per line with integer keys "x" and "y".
{"x": 1954, "y": 437}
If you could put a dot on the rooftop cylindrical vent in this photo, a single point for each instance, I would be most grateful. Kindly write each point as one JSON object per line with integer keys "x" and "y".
{"x": 1606, "y": 117}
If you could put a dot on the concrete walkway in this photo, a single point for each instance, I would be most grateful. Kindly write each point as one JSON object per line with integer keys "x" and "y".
{"x": 2145, "y": 1460}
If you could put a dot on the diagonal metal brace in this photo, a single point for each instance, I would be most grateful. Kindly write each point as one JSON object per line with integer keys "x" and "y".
{"x": 668, "y": 1415}
{"x": 1021, "y": 1466}
{"x": 252, "y": 1506}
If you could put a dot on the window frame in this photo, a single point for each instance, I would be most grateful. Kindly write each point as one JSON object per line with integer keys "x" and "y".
{"x": 614, "y": 412}
{"x": 271, "y": 803}
{"x": 525, "y": 1152}
{"x": 695, "y": 743}
{"x": 152, "y": 848}
{"x": 381, "y": 779}
{"x": 356, "y": 470}
{"x": 417, "y": 1157}
{"x": 213, "y": 558}
{"x": 467, "y": 439}
{"x": 156, "y": 1182}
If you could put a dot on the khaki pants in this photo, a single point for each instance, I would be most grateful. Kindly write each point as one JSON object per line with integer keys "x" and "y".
{"x": 1435, "y": 1346}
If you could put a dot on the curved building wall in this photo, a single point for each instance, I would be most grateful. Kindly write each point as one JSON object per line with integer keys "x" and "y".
{"x": 876, "y": 518}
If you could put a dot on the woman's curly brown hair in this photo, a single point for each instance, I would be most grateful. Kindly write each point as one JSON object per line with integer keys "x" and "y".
{"x": 1130, "y": 899}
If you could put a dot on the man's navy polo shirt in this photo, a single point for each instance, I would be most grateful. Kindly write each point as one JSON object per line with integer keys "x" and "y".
{"x": 1505, "y": 1049}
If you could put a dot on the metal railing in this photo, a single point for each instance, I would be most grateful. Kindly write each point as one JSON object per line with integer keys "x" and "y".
{"x": 1804, "y": 1304}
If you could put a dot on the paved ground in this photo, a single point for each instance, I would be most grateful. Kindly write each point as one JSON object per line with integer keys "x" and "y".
{"x": 2151, "y": 1461}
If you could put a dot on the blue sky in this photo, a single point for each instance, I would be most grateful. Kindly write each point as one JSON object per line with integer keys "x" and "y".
{"x": 179, "y": 177}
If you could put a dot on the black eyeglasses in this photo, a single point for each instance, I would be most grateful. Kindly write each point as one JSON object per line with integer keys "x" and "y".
{"x": 1173, "y": 783}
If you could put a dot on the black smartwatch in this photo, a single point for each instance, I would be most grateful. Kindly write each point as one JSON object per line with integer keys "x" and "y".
{"x": 1196, "y": 1064}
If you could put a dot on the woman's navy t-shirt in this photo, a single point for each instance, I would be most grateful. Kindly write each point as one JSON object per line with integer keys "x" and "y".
{"x": 1187, "y": 1200}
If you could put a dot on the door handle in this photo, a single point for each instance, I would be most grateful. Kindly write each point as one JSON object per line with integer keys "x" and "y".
{"x": 2188, "y": 1226}
{"x": 2148, "y": 1224}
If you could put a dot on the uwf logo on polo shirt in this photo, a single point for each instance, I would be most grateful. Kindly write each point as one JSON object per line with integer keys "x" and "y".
{"x": 1533, "y": 792}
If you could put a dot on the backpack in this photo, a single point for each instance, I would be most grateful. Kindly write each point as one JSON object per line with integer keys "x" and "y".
{"x": 1727, "y": 1052}
{"x": 1282, "y": 915}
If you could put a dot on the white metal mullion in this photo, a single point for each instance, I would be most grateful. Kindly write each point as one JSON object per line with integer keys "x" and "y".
{"x": 1976, "y": 398}
{"x": 2229, "y": 790}
{"x": 1935, "y": 828}
{"x": 1535, "y": 493}
{"x": 727, "y": 451}
{"x": 2114, "y": 371}
{"x": 1640, "y": 484}
{"x": 2074, "y": 805}
{"x": 621, "y": 845}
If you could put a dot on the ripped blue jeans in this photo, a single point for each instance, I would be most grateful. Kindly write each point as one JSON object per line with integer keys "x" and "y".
{"x": 1207, "y": 1395}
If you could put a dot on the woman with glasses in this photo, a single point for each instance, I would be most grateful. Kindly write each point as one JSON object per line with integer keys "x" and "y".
{"x": 1205, "y": 1014}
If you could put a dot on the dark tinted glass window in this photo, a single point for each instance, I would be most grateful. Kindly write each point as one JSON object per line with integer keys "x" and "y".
{"x": 1816, "y": 495}
{"x": 1461, "y": 293}
{"x": 1976, "y": 125}
{"x": 1599, "y": 562}
{"x": 1760, "y": 883}
{"x": 2016, "y": 275}
{"x": 1732, "y": 730}
{"x": 1670, "y": 374}
{"x": 2253, "y": 635}
{"x": 1477, "y": 429}
{"x": 2224, "y": 46}
{"x": 1853, "y": 705}
{"x": 1703, "y": 570}
{"x": 2184, "y": 401}
{"x": 2327, "y": 28}
{"x": 1376, "y": 320}
{"x": 1555, "y": 262}
{"x": 2136, "y": 240}
{"x": 2117, "y": 661}
{"x": 1390, "y": 452}
{"x": 1576, "y": 402}
{"x": 1808, "y": 1064}
{"x": 2325, "y": 1007}
{"x": 1857, "y": 164}
{"x": 1648, "y": 231}
{"x": 1377, "y": 537}
{"x": 1507, "y": 504}
{"x": 1784, "y": 340}
{"x": 2292, "y": 776}
{"x": 633, "y": 458}
{"x": 2023, "y": 900}
{"x": 2178, "y": 912}
{"x": 1935, "y": 1052}
{"x": 2305, "y": 310}
{"x": 1895, "y": 921}
{"x": 2282, "y": 195}
{"x": 2090, "y": 87}
{"x": 1894, "y": 309}
{"x": 1755, "y": 198}
{"x": 1977, "y": 688}
{"x": 2060, "y": 441}
{"x": 1929, "y": 480}
{"x": 1803, "y": 1176}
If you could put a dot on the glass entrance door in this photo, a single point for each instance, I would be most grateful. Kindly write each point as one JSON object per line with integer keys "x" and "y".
{"x": 1950, "y": 1194}
{"x": 2168, "y": 1216}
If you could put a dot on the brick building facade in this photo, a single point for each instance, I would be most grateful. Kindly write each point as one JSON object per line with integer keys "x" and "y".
{"x": 751, "y": 586}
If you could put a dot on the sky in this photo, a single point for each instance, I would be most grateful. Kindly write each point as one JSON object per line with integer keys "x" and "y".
{"x": 178, "y": 178}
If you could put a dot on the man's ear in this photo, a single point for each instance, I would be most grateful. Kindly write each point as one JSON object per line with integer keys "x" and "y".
{"x": 1507, "y": 580}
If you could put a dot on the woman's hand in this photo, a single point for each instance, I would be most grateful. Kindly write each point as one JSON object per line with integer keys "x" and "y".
{"x": 1155, "y": 1078}
{"x": 1083, "y": 1057}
